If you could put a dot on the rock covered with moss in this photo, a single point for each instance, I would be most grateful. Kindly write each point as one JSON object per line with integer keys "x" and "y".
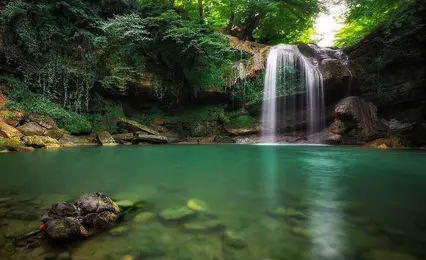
{"x": 88, "y": 215}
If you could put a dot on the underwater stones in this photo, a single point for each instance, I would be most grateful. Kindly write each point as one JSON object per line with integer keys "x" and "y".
{"x": 176, "y": 214}
{"x": 106, "y": 139}
{"x": 387, "y": 255}
{"x": 281, "y": 212}
{"x": 270, "y": 223}
{"x": 39, "y": 141}
{"x": 234, "y": 239}
{"x": 5, "y": 199}
{"x": 32, "y": 128}
{"x": 196, "y": 205}
{"x": 133, "y": 126}
{"x": 124, "y": 204}
{"x": 302, "y": 232}
{"x": 127, "y": 257}
{"x": 119, "y": 231}
{"x": 90, "y": 213}
{"x": 144, "y": 217}
{"x": 8, "y": 131}
{"x": 204, "y": 226}
{"x": 64, "y": 228}
{"x": 150, "y": 250}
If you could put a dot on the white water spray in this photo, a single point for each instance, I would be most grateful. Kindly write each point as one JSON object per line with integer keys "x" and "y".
{"x": 286, "y": 69}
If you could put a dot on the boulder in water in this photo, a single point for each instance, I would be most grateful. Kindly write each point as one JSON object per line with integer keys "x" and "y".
{"x": 88, "y": 215}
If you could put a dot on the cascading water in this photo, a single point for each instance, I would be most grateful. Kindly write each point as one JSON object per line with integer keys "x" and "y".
{"x": 288, "y": 73}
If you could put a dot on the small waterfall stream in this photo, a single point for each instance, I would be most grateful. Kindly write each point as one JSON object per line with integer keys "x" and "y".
{"x": 288, "y": 73}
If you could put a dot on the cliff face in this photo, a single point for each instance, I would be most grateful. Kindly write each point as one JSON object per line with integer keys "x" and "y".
{"x": 389, "y": 63}
{"x": 390, "y": 71}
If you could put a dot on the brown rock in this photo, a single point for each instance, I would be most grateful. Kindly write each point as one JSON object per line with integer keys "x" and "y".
{"x": 133, "y": 126}
{"x": 124, "y": 138}
{"x": 3, "y": 100}
{"x": 141, "y": 137}
{"x": 32, "y": 128}
{"x": 241, "y": 131}
{"x": 386, "y": 143}
{"x": 56, "y": 133}
{"x": 40, "y": 141}
{"x": 105, "y": 138}
{"x": 8, "y": 131}
{"x": 42, "y": 119}
{"x": 13, "y": 118}
{"x": 73, "y": 140}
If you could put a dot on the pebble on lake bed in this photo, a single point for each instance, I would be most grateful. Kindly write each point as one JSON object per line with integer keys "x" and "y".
{"x": 144, "y": 217}
{"x": 119, "y": 231}
{"x": 175, "y": 214}
{"x": 196, "y": 205}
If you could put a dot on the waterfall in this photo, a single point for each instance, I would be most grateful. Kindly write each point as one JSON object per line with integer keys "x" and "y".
{"x": 289, "y": 73}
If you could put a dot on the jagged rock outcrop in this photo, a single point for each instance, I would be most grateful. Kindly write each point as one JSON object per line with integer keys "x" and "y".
{"x": 356, "y": 122}
{"x": 105, "y": 138}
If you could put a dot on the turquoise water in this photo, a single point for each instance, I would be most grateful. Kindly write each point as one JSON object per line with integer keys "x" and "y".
{"x": 284, "y": 202}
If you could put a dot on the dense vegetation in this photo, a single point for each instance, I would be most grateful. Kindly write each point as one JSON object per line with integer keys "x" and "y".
{"x": 75, "y": 60}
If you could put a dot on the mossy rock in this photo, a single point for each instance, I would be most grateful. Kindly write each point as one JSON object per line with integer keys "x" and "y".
{"x": 196, "y": 205}
{"x": 14, "y": 144}
{"x": 234, "y": 239}
{"x": 40, "y": 141}
{"x": 176, "y": 214}
{"x": 119, "y": 231}
{"x": 144, "y": 217}
{"x": 133, "y": 126}
{"x": 204, "y": 226}
{"x": 8, "y": 131}
{"x": 106, "y": 139}
{"x": 41, "y": 119}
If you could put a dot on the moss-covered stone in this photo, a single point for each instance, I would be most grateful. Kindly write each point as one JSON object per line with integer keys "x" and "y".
{"x": 176, "y": 214}
{"x": 8, "y": 131}
{"x": 133, "y": 126}
{"x": 41, "y": 119}
{"x": 196, "y": 205}
{"x": 39, "y": 141}
{"x": 106, "y": 139}
{"x": 13, "y": 144}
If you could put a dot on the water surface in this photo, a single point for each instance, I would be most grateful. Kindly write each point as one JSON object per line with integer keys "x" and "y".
{"x": 344, "y": 203}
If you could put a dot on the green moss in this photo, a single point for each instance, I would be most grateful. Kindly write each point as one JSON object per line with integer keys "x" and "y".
{"x": 243, "y": 121}
{"x": 22, "y": 99}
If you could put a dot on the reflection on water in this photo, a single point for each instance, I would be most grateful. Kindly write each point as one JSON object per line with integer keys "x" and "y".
{"x": 327, "y": 225}
{"x": 266, "y": 202}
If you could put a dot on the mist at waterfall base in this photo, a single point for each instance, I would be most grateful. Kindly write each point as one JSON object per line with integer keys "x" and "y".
{"x": 290, "y": 74}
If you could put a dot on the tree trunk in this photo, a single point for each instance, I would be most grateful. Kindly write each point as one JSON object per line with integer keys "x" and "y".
{"x": 201, "y": 9}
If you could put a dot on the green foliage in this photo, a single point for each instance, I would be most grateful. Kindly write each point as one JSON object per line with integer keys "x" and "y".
{"x": 365, "y": 16}
{"x": 20, "y": 98}
{"x": 106, "y": 117}
{"x": 183, "y": 52}
{"x": 247, "y": 92}
{"x": 243, "y": 121}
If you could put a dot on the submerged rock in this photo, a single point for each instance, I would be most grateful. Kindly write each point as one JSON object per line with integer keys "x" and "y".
{"x": 204, "y": 226}
{"x": 233, "y": 239}
{"x": 144, "y": 217}
{"x": 89, "y": 214}
{"x": 64, "y": 228}
{"x": 119, "y": 231}
{"x": 281, "y": 212}
{"x": 196, "y": 205}
{"x": 176, "y": 214}
{"x": 387, "y": 255}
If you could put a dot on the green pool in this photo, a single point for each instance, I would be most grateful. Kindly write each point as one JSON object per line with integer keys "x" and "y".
{"x": 267, "y": 202}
